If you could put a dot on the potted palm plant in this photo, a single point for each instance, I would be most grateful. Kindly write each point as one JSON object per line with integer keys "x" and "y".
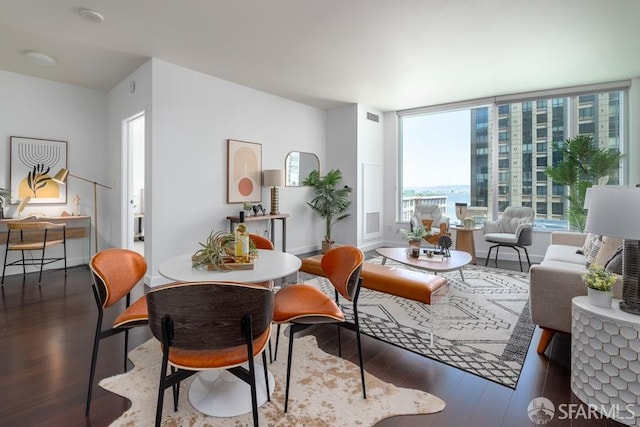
{"x": 330, "y": 202}
{"x": 582, "y": 165}
{"x": 416, "y": 236}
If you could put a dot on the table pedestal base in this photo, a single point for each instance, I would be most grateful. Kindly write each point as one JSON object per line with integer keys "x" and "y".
{"x": 219, "y": 393}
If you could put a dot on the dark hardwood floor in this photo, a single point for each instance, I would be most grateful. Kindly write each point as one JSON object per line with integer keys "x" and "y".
{"x": 45, "y": 350}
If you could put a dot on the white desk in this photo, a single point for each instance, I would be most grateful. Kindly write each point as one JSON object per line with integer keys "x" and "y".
{"x": 217, "y": 392}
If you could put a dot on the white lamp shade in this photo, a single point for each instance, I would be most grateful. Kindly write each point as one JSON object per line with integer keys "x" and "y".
{"x": 273, "y": 177}
{"x": 587, "y": 198}
{"x": 614, "y": 211}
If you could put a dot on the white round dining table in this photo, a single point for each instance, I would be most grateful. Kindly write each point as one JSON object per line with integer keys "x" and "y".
{"x": 269, "y": 265}
{"x": 217, "y": 392}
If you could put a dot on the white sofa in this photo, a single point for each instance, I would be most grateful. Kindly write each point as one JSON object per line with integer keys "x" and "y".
{"x": 557, "y": 279}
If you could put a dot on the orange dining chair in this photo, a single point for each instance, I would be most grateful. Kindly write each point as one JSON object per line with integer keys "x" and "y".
{"x": 115, "y": 273}
{"x": 261, "y": 242}
{"x": 210, "y": 325}
{"x": 303, "y": 305}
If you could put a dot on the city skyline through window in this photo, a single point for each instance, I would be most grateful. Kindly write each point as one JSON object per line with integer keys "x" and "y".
{"x": 505, "y": 166}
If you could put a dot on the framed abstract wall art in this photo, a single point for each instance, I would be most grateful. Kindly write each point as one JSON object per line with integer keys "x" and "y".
{"x": 244, "y": 171}
{"x": 34, "y": 162}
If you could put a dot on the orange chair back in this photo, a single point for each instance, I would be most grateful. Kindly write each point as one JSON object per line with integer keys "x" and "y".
{"x": 342, "y": 266}
{"x": 116, "y": 272}
{"x": 261, "y": 242}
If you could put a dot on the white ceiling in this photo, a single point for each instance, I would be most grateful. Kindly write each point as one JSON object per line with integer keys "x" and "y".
{"x": 385, "y": 54}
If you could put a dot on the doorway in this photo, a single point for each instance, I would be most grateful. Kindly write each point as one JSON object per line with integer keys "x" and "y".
{"x": 135, "y": 137}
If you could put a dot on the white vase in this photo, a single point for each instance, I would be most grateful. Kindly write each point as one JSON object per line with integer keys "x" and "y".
{"x": 599, "y": 298}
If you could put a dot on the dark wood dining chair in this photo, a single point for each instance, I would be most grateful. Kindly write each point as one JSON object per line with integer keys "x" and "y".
{"x": 210, "y": 325}
{"x": 303, "y": 305}
{"x": 26, "y": 236}
{"x": 115, "y": 273}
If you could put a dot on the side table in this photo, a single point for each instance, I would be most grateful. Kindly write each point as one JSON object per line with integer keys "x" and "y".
{"x": 605, "y": 359}
{"x": 282, "y": 217}
{"x": 465, "y": 242}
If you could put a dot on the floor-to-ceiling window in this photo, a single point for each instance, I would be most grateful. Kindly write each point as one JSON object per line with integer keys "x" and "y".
{"x": 509, "y": 145}
{"x": 436, "y": 161}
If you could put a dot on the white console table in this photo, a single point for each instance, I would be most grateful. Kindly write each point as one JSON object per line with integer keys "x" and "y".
{"x": 605, "y": 359}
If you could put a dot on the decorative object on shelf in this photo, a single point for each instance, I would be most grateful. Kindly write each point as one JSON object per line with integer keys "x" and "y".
{"x": 76, "y": 205}
{"x": 416, "y": 236}
{"x": 445, "y": 243}
{"x": 258, "y": 208}
{"x": 218, "y": 253}
{"x": 4, "y": 197}
{"x": 274, "y": 178}
{"x": 32, "y": 159}
{"x": 329, "y": 202}
{"x": 612, "y": 212}
{"x": 247, "y": 206}
{"x": 244, "y": 167}
{"x": 599, "y": 285}
{"x": 461, "y": 211}
{"x": 23, "y": 204}
{"x": 61, "y": 178}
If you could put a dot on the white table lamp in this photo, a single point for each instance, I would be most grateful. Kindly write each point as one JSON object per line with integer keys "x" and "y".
{"x": 613, "y": 211}
{"x": 273, "y": 178}
{"x": 461, "y": 211}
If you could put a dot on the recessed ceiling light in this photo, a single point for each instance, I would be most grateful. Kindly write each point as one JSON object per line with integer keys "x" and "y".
{"x": 40, "y": 58}
{"x": 91, "y": 15}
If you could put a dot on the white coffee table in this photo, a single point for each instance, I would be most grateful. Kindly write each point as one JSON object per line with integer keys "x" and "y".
{"x": 456, "y": 261}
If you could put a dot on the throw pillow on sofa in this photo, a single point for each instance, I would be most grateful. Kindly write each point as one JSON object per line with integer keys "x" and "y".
{"x": 588, "y": 243}
{"x": 607, "y": 250}
{"x": 593, "y": 251}
{"x": 614, "y": 264}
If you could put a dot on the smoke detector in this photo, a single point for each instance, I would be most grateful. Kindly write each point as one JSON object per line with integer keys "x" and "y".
{"x": 40, "y": 58}
{"x": 91, "y": 15}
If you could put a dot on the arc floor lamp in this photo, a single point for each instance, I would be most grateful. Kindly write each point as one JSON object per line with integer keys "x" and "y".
{"x": 61, "y": 178}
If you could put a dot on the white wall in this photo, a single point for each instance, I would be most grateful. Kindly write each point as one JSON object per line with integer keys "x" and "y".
{"x": 40, "y": 108}
{"x": 342, "y": 153}
{"x": 123, "y": 104}
{"x": 192, "y": 117}
{"x": 370, "y": 166}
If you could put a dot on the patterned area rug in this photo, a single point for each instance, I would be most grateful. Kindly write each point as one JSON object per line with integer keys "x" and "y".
{"x": 325, "y": 392}
{"x": 488, "y": 330}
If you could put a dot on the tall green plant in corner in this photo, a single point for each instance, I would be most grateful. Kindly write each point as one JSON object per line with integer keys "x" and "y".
{"x": 330, "y": 202}
{"x": 582, "y": 164}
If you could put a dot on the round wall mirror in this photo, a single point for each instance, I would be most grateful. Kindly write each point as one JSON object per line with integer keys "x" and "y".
{"x": 297, "y": 167}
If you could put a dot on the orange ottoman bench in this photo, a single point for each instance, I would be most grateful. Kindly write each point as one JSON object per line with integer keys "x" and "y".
{"x": 409, "y": 284}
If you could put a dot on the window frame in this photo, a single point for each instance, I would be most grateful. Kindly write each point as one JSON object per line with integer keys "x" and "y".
{"x": 531, "y": 102}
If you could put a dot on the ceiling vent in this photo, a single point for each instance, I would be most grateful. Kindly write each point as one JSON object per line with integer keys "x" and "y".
{"x": 373, "y": 117}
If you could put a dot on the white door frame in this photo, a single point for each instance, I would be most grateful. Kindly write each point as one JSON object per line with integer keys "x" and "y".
{"x": 127, "y": 179}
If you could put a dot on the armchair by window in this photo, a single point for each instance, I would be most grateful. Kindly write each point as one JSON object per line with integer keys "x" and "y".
{"x": 513, "y": 229}
{"x": 424, "y": 213}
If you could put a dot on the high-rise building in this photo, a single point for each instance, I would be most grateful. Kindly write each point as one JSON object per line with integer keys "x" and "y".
{"x": 526, "y": 133}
